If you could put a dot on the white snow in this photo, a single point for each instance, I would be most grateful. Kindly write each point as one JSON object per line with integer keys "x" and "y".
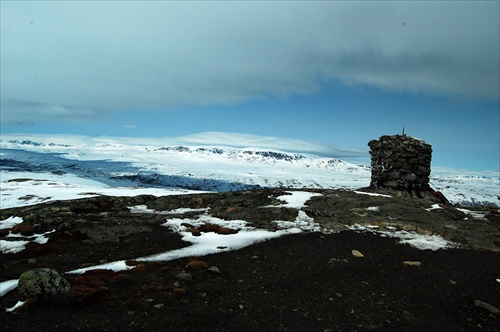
{"x": 23, "y": 189}
{"x": 7, "y": 286}
{"x": 113, "y": 266}
{"x": 10, "y": 222}
{"x": 18, "y": 242}
{"x": 416, "y": 240}
{"x": 12, "y": 247}
{"x": 478, "y": 215}
{"x": 302, "y": 222}
{"x": 232, "y": 167}
{"x": 144, "y": 209}
{"x": 434, "y": 207}
{"x": 296, "y": 199}
{"x": 371, "y": 194}
{"x": 17, "y": 305}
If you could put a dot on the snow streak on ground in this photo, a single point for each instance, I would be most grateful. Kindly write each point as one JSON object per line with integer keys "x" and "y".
{"x": 419, "y": 241}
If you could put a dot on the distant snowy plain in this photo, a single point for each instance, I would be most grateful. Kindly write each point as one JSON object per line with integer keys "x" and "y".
{"x": 117, "y": 163}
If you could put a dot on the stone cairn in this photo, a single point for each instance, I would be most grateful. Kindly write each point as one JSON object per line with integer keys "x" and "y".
{"x": 400, "y": 162}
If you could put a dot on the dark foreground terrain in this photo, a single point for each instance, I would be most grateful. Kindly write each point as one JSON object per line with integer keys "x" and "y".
{"x": 301, "y": 282}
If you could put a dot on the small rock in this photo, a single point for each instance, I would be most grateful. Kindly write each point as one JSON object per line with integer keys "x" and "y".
{"x": 42, "y": 282}
{"x": 25, "y": 228}
{"x": 214, "y": 269}
{"x": 207, "y": 227}
{"x": 487, "y": 306}
{"x": 241, "y": 306}
{"x": 184, "y": 276}
{"x": 197, "y": 265}
{"x": 413, "y": 263}
{"x": 159, "y": 305}
{"x": 356, "y": 253}
{"x": 337, "y": 260}
{"x": 409, "y": 316}
{"x": 194, "y": 231}
{"x": 179, "y": 290}
{"x": 226, "y": 231}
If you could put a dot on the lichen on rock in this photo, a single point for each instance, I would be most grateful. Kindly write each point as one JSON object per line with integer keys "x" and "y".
{"x": 42, "y": 283}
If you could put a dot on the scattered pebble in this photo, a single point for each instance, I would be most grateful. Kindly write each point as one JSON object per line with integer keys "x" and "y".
{"x": 179, "y": 290}
{"x": 184, "y": 276}
{"x": 197, "y": 265}
{"x": 487, "y": 306}
{"x": 357, "y": 253}
{"x": 413, "y": 263}
{"x": 214, "y": 269}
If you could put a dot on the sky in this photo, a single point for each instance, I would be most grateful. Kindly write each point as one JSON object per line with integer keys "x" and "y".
{"x": 329, "y": 75}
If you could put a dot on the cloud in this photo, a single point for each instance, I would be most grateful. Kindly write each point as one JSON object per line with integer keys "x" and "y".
{"x": 73, "y": 60}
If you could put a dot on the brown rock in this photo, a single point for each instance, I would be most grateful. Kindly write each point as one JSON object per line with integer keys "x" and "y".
{"x": 197, "y": 265}
{"x": 25, "y": 228}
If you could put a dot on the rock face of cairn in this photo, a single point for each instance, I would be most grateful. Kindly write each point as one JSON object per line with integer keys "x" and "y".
{"x": 400, "y": 162}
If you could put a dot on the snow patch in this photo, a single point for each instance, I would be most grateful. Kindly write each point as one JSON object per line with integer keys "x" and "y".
{"x": 302, "y": 222}
{"x": 416, "y": 240}
{"x": 434, "y": 207}
{"x": 371, "y": 194}
{"x": 18, "y": 242}
{"x": 113, "y": 266}
{"x": 296, "y": 199}
{"x": 10, "y": 222}
{"x": 144, "y": 209}
{"x": 7, "y": 286}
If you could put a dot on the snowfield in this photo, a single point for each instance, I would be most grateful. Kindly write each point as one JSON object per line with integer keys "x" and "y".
{"x": 125, "y": 166}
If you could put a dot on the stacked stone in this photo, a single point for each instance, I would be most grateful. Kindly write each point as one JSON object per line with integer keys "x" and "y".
{"x": 400, "y": 162}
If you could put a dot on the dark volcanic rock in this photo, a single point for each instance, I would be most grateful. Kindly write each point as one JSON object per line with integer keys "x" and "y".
{"x": 298, "y": 282}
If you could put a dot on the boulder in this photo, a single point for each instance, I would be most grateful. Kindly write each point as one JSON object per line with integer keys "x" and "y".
{"x": 41, "y": 283}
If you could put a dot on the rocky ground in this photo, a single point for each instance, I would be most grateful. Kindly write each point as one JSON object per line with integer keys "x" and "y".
{"x": 302, "y": 282}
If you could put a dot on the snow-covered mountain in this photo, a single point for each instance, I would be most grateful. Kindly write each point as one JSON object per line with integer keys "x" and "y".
{"x": 125, "y": 163}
